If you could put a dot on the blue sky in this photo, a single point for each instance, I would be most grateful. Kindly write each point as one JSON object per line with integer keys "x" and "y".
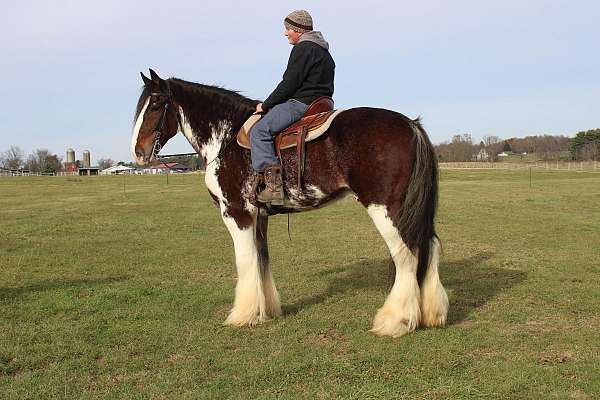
{"x": 70, "y": 69}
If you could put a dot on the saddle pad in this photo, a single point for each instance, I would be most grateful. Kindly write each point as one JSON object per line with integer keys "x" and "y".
{"x": 243, "y": 136}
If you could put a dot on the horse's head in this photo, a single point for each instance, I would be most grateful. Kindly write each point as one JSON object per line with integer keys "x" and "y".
{"x": 156, "y": 119}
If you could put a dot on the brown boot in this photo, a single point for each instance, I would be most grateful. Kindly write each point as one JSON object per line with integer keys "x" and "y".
{"x": 273, "y": 193}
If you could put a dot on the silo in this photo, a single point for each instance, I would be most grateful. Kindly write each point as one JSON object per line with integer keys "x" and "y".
{"x": 86, "y": 159}
{"x": 70, "y": 156}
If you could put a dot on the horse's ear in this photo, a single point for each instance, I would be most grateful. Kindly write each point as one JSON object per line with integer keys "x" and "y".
{"x": 154, "y": 76}
{"x": 145, "y": 79}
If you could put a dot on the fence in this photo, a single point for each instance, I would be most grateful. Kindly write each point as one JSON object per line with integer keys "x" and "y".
{"x": 26, "y": 173}
{"x": 549, "y": 165}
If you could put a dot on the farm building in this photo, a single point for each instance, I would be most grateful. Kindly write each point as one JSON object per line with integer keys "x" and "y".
{"x": 164, "y": 168}
{"x": 88, "y": 171}
{"x": 117, "y": 170}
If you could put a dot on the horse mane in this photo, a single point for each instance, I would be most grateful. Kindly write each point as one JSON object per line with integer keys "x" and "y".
{"x": 218, "y": 101}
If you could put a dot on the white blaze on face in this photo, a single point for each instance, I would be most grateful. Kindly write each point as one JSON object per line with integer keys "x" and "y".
{"x": 136, "y": 131}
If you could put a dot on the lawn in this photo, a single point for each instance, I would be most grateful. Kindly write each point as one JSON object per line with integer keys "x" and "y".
{"x": 116, "y": 287}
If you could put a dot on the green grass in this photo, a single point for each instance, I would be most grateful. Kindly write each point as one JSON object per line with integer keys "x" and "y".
{"x": 112, "y": 293}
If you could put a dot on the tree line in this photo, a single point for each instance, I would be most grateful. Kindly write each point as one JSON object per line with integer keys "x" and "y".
{"x": 44, "y": 162}
{"x": 583, "y": 147}
{"x": 39, "y": 161}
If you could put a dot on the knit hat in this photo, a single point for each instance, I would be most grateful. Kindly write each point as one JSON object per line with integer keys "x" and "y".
{"x": 299, "y": 20}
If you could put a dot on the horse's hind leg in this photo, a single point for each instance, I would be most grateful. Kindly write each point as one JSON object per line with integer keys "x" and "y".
{"x": 401, "y": 311}
{"x": 434, "y": 300}
{"x": 249, "y": 306}
{"x": 272, "y": 305}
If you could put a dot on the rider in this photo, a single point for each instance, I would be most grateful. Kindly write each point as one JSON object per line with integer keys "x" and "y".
{"x": 309, "y": 75}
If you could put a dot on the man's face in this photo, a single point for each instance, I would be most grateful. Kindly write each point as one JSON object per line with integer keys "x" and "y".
{"x": 292, "y": 35}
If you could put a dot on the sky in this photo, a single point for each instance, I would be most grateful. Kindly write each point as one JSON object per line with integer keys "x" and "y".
{"x": 70, "y": 69}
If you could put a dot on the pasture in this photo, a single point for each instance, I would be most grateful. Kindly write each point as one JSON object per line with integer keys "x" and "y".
{"x": 116, "y": 287}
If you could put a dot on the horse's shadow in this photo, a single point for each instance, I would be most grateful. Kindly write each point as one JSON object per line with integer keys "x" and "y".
{"x": 469, "y": 282}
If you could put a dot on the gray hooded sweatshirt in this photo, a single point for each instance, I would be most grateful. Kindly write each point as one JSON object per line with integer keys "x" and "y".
{"x": 309, "y": 73}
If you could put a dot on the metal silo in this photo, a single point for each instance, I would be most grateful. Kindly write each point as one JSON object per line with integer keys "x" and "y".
{"x": 86, "y": 159}
{"x": 70, "y": 155}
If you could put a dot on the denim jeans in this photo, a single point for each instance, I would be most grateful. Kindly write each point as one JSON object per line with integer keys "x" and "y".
{"x": 277, "y": 119}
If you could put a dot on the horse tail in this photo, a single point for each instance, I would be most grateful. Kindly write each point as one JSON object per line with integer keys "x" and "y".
{"x": 416, "y": 217}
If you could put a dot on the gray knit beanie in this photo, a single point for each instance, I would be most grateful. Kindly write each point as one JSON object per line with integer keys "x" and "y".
{"x": 299, "y": 20}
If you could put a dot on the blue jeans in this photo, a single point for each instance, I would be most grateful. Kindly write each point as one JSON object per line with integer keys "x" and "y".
{"x": 277, "y": 119}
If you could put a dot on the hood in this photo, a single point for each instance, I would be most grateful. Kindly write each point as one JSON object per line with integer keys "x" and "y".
{"x": 316, "y": 37}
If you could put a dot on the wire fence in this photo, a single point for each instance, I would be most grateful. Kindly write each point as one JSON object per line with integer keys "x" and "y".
{"x": 543, "y": 165}
{"x": 547, "y": 165}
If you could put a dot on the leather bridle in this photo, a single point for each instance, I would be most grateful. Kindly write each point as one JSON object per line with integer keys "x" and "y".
{"x": 160, "y": 125}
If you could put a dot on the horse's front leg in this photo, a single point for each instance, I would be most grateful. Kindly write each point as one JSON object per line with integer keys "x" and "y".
{"x": 249, "y": 305}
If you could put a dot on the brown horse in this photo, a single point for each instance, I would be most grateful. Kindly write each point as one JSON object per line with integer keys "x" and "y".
{"x": 381, "y": 157}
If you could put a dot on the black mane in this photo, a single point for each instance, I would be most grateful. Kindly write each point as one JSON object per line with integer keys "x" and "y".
{"x": 205, "y": 104}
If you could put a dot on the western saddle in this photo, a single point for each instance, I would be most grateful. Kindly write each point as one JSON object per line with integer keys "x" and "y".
{"x": 314, "y": 123}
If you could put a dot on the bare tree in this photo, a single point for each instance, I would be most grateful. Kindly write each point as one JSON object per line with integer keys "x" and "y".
{"x": 13, "y": 158}
{"x": 460, "y": 149}
{"x": 104, "y": 163}
{"x": 492, "y": 146}
{"x": 32, "y": 163}
{"x": 43, "y": 161}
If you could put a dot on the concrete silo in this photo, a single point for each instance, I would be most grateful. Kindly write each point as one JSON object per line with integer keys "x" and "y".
{"x": 70, "y": 155}
{"x": 86, "y": 159}
{"x": 70, "y": 164}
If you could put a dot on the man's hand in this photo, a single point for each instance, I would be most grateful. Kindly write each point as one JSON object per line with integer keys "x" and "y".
{"x": 259, "y": 108}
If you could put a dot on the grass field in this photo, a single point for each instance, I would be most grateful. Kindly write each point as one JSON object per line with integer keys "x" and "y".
{"x": 116, "y": 287}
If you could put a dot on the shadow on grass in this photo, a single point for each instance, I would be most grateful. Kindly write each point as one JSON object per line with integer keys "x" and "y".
{"x": 13, "y": 293}
{"x": 366, "y": 274}
{"x": 472, "y": 283}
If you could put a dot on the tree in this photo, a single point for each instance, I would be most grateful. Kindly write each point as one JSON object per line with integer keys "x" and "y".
{"x": 492, "y": 146}
{"x": 585, "y": 145}
{"x": 507, "y": 147}
{"x": 104, "y": 163}
{"x": 13, "y": 158}
{"x": 460, "y": 149}
{"x": 38, "y": 161}
{"x": 32, "y": 163}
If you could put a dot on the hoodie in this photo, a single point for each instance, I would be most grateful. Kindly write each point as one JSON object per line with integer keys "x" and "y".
{"x": 309, "y": 74}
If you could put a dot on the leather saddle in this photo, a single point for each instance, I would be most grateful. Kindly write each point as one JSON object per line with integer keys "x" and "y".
{"x": 314, "y": 123}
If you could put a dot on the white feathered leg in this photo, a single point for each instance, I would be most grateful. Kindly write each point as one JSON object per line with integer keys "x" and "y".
{"x": 434, "y": 300}
{"x": 249, "y": 304}
{"x": 401, "y": 311}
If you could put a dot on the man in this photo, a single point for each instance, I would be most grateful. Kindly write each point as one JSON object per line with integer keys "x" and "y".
{"x": 309, "y": 75}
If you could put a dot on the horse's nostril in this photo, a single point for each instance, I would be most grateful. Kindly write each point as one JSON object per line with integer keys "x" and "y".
{"x": 139, "y": 154}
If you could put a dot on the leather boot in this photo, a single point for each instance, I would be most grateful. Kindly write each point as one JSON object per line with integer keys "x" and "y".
{"x": 273, "y": 193}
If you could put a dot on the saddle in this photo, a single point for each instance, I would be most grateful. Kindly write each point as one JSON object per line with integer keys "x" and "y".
{"x": 314, "y": 123}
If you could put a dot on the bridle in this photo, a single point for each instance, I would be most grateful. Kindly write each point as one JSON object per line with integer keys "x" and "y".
{"x": 159, "y": 127}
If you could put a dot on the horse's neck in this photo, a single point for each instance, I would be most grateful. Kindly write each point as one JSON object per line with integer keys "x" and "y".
{"x": 208, "y": 136}
{"x": 208, "y": 141}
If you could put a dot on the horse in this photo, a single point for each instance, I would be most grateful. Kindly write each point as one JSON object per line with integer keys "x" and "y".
{"x": 382, "y": 158}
